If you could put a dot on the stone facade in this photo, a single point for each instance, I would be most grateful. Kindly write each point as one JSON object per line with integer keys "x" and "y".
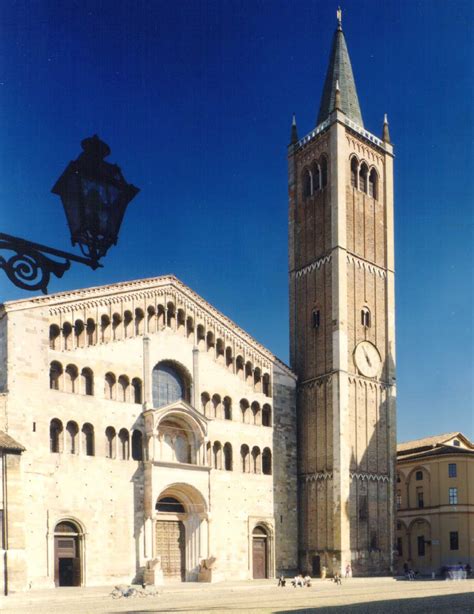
{"x": 342, "y": 332}
{"x": 84, "y": 374}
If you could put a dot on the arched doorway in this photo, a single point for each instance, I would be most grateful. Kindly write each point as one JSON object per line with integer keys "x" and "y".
{"x": 170, "y": 537}
{"x": 259, "y": 553}
{"x": 67, "y": 554}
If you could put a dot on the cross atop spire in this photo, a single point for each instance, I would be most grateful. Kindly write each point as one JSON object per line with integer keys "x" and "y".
{"x": 340, "y": 70}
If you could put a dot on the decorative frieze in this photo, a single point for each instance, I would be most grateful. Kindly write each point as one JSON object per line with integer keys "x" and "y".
{"x": 316, "y": 477}
{"x": 367, "y": 266}
{"x": 317, "y": 264}
{"x": 369, "y": 477}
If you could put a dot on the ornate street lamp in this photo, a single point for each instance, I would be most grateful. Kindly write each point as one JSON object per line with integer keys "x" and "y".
{"x": 95, "y": 196}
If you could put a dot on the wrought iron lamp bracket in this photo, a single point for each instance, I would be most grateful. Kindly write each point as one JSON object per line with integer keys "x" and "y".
{"x": 29, "y": 266}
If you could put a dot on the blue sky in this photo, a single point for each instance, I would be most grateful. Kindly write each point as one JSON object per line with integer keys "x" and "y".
{"x": 195, "y": 100}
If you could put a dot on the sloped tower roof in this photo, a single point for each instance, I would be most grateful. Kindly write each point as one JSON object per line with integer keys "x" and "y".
{"x": 340, "y": 70}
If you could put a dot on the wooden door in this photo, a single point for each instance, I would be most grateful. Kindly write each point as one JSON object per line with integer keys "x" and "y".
{"x": 170, "y": 547}
{"x": 259, "y": 557}
{"x": 67, "y": 563}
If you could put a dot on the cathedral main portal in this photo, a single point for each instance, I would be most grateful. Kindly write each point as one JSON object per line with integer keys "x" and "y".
{"x": 170, "y": 546}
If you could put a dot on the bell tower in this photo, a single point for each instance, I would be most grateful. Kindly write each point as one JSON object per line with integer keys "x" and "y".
{"x": 342, "y": 330}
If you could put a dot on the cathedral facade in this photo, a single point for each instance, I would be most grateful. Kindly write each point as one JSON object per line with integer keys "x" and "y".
{"x": 146, "y": 437}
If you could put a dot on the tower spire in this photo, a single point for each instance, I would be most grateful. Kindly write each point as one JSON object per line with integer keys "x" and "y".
{"x": 340, "y": 70}
{"x": 294, "y": 131}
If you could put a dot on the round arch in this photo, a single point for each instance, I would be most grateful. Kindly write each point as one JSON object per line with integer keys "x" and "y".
{"x": 171, "y": 382}
{"x": 68, "y": 548}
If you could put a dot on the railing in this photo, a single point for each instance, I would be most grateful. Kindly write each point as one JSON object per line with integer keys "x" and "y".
{"x": 325, "y": 124}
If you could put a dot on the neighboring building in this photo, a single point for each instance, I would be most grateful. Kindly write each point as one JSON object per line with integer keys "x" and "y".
{"x": 150, "y": 426}
{"x": 342, "y": 330}
{"x": 435, "y": 502}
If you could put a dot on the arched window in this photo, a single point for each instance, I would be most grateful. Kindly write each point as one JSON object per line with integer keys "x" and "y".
{"x": 110, "y": 382}
{"x": 205, "y": 403}
{"x": 137, "y": 445}
{"x": 67, "y": 335}
{"x": 257, "y": 380}
{"x": 373, "y": 180}
{"x": 239, "y": 366}
{"x": 249, "y": 373}
{"x": 229, "y": 361}
{"x": 151, "y": 319}
{"x": 201, "y": 337}
{"x": 217, "y": 455}
{"x": 72, "y": 432}
{"x": 365, "y": 317}
{"x": 256, "y": 416}
{"x": 245, "y": 456}
{"x": 55, "y": 435}
{"x": 139, "y": 321}
{"x": 307, "y": 183}
{"x": 116, "y": 322}
{"x": 110, "y": 442}
{"x": 181, "y": 321}
{"x": 189, "y": 327}
{"x": 160, "y": 317}
{"x": 171, "y": 315}
{"x": 216, "y": 406}
{"x": 79, "y": 333}
{"x": 127, "y": 323}
{"x": 316, "y": 178}
{"x": 227, "y": 408}
{"x": 70, "y": 378}
{"x": 90, "y": 331}
{"x": 124, "y": 442}
{"x": 354, "y": 172}
{"x": 244, "y": 410}
{"x": 104, "y": 328}
{"x": 87, "y": 381}
{"x": 364, "y": 171}
{"x": 210, "y": 344}
{"x": 123, "y": 388}
{"x": 228, "y": 457}
{"x": 267, "y": 390}
{"x": 55, "y": 374}
{"x": 256, "y": 460}
{"x": 54, "y": 332}
{"x": 220, "y": 351}
{"x": 170, "y": 383}
{"x": 266, "y": 415}
{"x": 88, "y": 439}
{"x": 137, "y": 389}
{"x": 324, "y": 171}
{"x": 267, "y": 461}
{"x": 170, "y": 505}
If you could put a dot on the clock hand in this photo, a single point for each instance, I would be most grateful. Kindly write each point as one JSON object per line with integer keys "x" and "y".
{"x": 367, "y": 357}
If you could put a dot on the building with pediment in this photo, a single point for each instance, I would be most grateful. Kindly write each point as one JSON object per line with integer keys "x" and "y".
{"x": 156, "y": 436}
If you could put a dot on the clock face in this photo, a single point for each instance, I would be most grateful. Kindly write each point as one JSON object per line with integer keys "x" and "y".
{"x": 367, "y": 359}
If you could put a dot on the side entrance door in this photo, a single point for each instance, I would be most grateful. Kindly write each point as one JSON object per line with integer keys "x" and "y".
{"x": 259, "y": 555}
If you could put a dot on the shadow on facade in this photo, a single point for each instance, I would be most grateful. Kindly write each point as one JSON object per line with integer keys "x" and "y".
{"x": 370, "y": 435}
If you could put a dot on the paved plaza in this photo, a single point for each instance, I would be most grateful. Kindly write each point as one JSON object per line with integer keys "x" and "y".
{"x": 355, "y": 596}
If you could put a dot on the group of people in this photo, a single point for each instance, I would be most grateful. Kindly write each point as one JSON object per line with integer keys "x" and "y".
{"x": 300, "y": 580}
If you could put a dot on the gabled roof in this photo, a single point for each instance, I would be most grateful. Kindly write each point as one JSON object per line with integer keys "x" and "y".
{"x": 434, "y": 441}
{"x": 340, "y": 70}
{"x": 8, "y": 443}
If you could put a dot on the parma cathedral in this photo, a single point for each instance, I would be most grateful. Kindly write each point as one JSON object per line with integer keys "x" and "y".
{"x": 145, "y": 437}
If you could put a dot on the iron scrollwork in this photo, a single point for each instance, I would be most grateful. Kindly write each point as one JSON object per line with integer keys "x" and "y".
{"x": 28, "y": 266}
